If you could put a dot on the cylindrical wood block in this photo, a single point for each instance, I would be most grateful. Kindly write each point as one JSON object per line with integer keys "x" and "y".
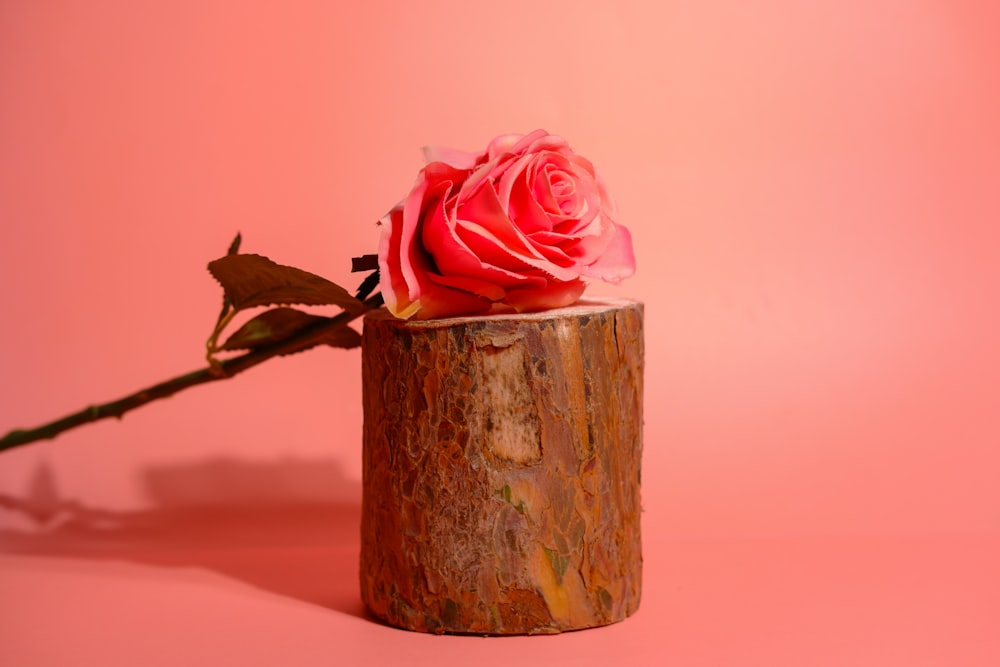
{"x": 501, "y": 469}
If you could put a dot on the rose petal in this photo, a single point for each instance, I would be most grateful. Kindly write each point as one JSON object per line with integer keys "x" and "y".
{"x": 484, "y": 210}
{"x": 403, "y": 261}
{"x": 538, "y": 141}
{"x": 440, "y": 301}
{"x": 484, "y": 288}
{"x": 554, "y": 253}
{"x": 528, "y": 213}
{"x": 410, "y": 256}
{"x": 554, "y": 295}
{"x": 451, "y": 157}
{"x": 489, "y": 234}
{"x": 442, "y": 237}
{"x": 617, "y": 261}
{"x": 507, "y": 175}
{"x": 584, "y": 248}
{"x": 493, "y": 249}
{"x": 555, "y": 191}
{"x": 512, "y": 143}
{"x": 395, "y": 291}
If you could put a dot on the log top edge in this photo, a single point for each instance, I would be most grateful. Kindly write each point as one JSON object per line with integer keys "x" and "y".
{"x": 584, "y": 306}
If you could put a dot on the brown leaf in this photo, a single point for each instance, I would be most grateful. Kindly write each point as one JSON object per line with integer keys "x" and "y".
{"x": 279, "y": 324}
{"x": 364, "y": 263}
{"x": 254, "y": 280}
{"x": 234, "y": 247}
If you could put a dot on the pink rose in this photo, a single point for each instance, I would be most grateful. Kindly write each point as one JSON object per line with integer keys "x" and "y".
{"x": 521, "y": 226}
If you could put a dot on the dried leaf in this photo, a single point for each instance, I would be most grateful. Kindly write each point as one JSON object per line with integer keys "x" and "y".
{"x": 364, "y": 263}
{"x": 254, "y": 280}
{"x": 234, "y": 247}
{"x": 279, "y": 324}
{"x": 367, "y": 285}
{"x": 343, "y": 336}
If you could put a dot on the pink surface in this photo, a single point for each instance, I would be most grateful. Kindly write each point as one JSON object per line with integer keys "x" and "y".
{"x": 280, "y": 590}
{"x": 813, "y": 189}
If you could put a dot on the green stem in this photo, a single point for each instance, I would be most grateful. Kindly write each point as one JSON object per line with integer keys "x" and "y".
{"x": 301, "y": 340}
{"x": 212, "y": 345}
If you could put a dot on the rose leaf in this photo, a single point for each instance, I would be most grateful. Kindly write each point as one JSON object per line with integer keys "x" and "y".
{"x": 364, "y": 263}
{"x": 254, "y": 280}
{"x": 278, "y": 324}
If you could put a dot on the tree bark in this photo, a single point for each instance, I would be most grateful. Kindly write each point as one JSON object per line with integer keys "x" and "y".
{"x": 501, "y": 469}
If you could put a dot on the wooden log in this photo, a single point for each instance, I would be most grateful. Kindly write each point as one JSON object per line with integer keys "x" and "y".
{"x": 501, "y": 469}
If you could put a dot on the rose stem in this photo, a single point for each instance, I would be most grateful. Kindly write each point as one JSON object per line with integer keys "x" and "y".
{"x": 225, "y": 369}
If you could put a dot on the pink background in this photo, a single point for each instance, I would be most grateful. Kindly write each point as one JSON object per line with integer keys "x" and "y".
{"x": 814, "y": 193}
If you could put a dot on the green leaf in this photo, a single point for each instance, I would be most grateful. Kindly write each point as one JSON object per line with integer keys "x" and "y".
{"x": 254, "y": 280}
{"x": 278, "y": 324}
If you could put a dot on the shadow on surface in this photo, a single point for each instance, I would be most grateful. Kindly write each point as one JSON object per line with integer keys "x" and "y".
{"x": 289, "y": 527}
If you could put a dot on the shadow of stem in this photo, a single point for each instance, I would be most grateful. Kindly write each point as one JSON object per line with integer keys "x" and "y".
{"x": 290, "y": 537}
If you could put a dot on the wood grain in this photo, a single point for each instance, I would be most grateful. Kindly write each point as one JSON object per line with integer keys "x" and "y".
{"x": 502, "y": 470}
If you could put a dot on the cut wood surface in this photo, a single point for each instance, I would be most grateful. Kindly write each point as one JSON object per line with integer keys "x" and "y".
{"x": 502, "y": 468}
